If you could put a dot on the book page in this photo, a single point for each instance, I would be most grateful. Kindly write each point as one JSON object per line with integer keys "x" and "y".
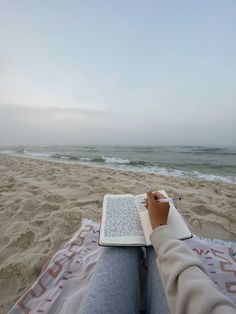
{"x": 178, "y": 226}
{"x": 121, "y": 221}
{"x": 144, "y": 217}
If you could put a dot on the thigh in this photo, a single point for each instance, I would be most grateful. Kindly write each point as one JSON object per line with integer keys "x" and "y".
{"x": 115, "y": 286}
{"x": 156, "y": 300}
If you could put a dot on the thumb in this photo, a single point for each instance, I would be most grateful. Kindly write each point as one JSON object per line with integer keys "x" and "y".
{"x": 151, "y": 197}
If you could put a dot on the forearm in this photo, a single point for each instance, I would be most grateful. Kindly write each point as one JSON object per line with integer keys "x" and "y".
{"x": 187, "y": 287}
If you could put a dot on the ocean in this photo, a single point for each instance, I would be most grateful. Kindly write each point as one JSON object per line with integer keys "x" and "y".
{"x": 201, "y": 162}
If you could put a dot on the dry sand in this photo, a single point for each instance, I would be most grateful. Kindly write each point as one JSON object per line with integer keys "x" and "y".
{"x": 42, "y": 204}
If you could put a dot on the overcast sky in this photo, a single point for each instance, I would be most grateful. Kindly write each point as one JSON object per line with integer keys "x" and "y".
{"x": 118, "y": 72}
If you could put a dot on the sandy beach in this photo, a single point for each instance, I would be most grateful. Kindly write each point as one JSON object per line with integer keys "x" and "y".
{"x": 42, "y": 204}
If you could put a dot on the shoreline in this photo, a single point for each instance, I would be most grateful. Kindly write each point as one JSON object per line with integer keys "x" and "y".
{"x": 42, "y": 203}
{"x": 137, "y": 171}
{"x": 187, "y": 181}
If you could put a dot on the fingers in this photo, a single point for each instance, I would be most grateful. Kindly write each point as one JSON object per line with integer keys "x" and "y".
{"x": 159, "y": 195}
{"x": 151, "y": 197}
{"x": 154, "y": 196}
{"x": 151, "y": 200}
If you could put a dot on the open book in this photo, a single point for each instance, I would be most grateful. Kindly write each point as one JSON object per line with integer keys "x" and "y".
{"x": 125, "y": 221}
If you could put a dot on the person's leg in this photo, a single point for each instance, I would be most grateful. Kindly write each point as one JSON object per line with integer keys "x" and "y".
{"x": 155, "y": 298}
{"x": 115, "y": 286}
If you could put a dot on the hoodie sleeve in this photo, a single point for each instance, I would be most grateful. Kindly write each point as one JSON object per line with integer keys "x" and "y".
{"x": 187, "y": 287}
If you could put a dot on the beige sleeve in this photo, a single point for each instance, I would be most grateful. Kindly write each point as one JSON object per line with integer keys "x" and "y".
{"x": 187, "y": 287}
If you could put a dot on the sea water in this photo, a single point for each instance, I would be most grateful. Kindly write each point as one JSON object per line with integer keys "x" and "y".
{"x": 205, "y": 163}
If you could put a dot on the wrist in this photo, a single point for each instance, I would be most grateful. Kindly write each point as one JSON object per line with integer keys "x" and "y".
{"x": 156, "y": 225}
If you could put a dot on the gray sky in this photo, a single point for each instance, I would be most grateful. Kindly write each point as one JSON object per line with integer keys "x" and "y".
{"x": 118, "y": 72}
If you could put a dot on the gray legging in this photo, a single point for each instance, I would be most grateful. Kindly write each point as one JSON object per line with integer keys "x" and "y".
{"x": 116, "y": 282}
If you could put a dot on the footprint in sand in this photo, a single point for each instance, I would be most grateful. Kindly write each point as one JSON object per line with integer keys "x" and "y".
{"x": 56, "y": 198}
{"x": 22, "y": 241}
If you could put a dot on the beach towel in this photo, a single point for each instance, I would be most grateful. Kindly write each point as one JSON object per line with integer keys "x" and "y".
{"x": 65, "y": 278}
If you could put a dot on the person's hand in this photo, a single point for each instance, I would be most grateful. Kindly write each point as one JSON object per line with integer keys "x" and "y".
{"x": 158, "y": 212}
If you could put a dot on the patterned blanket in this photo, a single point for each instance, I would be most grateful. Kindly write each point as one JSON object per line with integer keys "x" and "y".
{"x": 65, "y": 278}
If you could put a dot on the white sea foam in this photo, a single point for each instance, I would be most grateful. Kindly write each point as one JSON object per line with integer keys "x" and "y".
{"x": 212, "y": 177}
{"x": 6, "y": 152}
{"x": 85, "y": 159}
{"x": 114, "y": 160}
{"x": 169, "y": 172}
{"x": 39, "y": 155}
